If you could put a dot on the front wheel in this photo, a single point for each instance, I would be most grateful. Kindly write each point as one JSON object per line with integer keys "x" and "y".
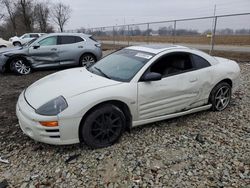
{"x": 103, "y": 126}
{"x": 17, "y": 44}
{"x": 20, "y": 66}
{"x": 87, "y": 59}
{"x": 220, "y": 96}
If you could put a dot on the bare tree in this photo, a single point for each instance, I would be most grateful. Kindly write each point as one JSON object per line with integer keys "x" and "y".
{"x": 60, "y": 14}
{"x": 1, "y": 14}
{"x": 25, "y": 7}
{"x": 11, "y": 10}
{"x": 41, "y": 12}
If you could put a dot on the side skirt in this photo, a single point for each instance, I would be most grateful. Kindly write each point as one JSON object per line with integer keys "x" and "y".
{"x": 169, "y": 116}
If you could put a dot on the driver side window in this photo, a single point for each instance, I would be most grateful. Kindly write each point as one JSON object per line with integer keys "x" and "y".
{"x": 49, "y": 41}
{"x": 172, "y": 64}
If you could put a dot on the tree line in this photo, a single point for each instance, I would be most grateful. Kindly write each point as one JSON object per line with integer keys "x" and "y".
{"x": 25, "y": 16}
{"x": 161, "y": 31}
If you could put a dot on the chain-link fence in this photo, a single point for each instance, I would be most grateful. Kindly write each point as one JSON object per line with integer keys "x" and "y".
{"x": 224, "y": 32}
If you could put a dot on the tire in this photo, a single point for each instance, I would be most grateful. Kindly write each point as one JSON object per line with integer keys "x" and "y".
{"x": 220, "y": 96}
{"x": 103, "y": 127}
{"x": 17, "y": 44}
{"x": 20, "y": 66}
{"x": 3, "y": 46}
{"x": 87, "y": 59}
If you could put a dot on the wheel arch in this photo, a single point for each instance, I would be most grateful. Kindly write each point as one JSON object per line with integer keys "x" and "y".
{"x": 7, "y": 64}
{"x": 121, "y": 105}
{"x": 226, "y": 80}
{"x": 16, "y": 42}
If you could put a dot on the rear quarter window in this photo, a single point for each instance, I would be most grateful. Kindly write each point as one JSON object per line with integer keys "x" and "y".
{"x": 78, "y": 39}
{"x": 199, "y": 62}
{"x": 92, "y": 38}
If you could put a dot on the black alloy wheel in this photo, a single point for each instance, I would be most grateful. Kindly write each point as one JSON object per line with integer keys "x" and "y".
{"x": 103, "y": 126}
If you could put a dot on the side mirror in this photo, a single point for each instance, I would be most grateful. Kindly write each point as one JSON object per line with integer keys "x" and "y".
{"x": 151, "y": 76}
{"x": 36, "y": 46}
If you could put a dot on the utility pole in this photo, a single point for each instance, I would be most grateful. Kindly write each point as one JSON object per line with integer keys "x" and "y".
{"x": 213, "y": 30}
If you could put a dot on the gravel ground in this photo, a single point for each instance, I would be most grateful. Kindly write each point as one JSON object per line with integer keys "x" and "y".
{"x": 206, "y": 149}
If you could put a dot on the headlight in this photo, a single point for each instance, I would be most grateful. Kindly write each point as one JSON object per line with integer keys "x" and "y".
{"x": 53, "y": 107}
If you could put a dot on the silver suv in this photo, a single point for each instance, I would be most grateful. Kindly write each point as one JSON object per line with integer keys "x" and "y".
{"x": 51, "y": 50}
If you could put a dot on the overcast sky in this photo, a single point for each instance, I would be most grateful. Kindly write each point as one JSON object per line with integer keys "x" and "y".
{"x": 97, "y": 13}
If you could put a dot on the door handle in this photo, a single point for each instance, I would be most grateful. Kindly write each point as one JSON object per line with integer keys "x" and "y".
{"x": 53, "y": 49}
{"x": 193, "y": 80}
{"x": 80, "y": 46}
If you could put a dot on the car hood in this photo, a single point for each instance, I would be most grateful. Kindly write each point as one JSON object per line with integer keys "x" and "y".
{"x": 14, "y": 38}
{"x": 66, "y": 83}
{"x": 12, "y": 49}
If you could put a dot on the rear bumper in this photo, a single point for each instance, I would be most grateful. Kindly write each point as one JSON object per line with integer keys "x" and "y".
{"x": 29, "y": 123}
{"x": 98, "y": 53}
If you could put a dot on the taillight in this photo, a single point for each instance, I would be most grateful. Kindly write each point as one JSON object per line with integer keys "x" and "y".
{"x": 98, "y": 45}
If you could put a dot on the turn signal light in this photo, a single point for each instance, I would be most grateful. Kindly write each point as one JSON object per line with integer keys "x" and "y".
{"x": 49, "y": 123}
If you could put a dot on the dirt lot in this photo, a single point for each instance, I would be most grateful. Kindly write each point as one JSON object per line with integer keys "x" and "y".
{"x": 206, "y": 149}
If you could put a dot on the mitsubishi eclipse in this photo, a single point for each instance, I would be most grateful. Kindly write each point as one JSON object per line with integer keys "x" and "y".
{"x": 133, "y": 86}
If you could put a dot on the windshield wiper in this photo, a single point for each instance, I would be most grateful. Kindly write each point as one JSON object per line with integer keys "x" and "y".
{"x": 102, "y": 72}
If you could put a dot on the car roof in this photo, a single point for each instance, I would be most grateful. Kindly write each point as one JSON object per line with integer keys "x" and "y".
{"x": 32, "y": 33}
{"x": 155, "y": 49}
{"x": 69, "y": 34}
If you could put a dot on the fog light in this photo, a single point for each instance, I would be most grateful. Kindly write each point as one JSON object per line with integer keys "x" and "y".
{"x": 49, "y": 123}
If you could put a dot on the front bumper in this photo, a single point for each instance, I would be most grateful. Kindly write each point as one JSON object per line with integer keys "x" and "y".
{"x": 29, "y": 123}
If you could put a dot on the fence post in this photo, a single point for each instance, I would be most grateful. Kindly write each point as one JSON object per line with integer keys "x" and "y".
{"x": 113, "y": 35}
{"x": 174, "y": 32}
{"x": 213, "y": 35}
{"x": 128, "y": 35}
{"x": 148, "y": 33}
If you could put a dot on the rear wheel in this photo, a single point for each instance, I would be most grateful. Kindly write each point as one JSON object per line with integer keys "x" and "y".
{"x": 87, "y": 59}
{"x": 220, "y": 96}
{"x": 20, "y": 66}
{"x": 103, "y": 126}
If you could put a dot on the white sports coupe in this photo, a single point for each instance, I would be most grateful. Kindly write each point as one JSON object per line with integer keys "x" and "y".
{"x": 130, "y": 87}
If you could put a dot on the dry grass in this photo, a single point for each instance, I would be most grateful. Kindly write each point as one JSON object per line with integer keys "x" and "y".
{"x": 201, "y": 39}
{"x": 112, "y": 47}
{"x": 238, "y": 56}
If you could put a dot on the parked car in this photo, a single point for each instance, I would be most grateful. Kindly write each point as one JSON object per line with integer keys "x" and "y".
{"x": 4, "y": 43}
{"x": 134, "y": 86}
{"x": 52, "y": 50}
{"x": 19, "y": 41}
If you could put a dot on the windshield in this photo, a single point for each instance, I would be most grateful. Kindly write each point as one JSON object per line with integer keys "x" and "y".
{"x": 24, "y": 36}
{"x": 121, "y": 65}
